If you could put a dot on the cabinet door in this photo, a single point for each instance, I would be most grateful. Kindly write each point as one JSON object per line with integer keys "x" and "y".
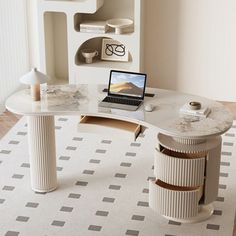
{"x": 179, "y": 171}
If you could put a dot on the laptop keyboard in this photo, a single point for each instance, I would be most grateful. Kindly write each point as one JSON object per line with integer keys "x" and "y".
{"x": 122, "y": 101}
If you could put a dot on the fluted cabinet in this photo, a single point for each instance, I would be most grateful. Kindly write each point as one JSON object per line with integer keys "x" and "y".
{"x": 187, "y": 178}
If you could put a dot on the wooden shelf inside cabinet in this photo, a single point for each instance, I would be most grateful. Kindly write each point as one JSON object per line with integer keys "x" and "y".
{"x": 109, "y": 126}
{"x": 182, "y": 155}
{"x": 177, "y": 188}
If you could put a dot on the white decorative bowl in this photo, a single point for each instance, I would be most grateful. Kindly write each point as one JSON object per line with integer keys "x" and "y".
{"x": 119, "y": 24}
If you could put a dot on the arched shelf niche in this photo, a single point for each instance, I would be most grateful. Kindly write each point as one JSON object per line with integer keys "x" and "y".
{"x": 56, "y": 50}
{"x": 96, "y": 44}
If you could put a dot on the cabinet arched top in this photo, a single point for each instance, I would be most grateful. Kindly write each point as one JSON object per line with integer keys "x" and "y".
{"x": 107, "y": 49}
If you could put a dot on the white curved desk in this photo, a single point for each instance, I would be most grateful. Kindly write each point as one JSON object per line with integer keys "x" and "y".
{"x": 187, "y": 157}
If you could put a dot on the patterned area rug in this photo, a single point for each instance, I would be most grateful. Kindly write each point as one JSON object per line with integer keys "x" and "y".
{"x": 103, "y": 188}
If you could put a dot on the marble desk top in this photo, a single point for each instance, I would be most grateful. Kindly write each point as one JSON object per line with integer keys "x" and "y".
{"x": 166, "y": 118}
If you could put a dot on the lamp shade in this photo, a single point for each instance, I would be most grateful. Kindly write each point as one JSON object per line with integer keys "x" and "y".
{"x": 34, "y": 77}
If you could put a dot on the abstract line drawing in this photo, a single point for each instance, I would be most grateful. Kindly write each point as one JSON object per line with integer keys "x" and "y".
{"x": 113, "y": 50}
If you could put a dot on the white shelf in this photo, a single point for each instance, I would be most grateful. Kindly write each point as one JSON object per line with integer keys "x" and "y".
{"x": 108, "y": 34}
{"x": 75, "y": 6}
{"x": 60, "y": 43}
{"x": 106, "y": 64}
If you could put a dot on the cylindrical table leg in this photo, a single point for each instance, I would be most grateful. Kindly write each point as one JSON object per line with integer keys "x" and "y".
{"x": 41, "y": 136}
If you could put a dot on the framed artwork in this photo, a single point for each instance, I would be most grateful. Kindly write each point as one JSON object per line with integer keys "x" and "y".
{"x": 113, "y": 50}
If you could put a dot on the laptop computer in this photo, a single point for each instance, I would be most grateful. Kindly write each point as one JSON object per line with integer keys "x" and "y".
{"x": 125, "y": 90}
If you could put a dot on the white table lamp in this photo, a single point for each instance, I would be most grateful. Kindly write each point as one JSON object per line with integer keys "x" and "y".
{"x": 34, "y": 78}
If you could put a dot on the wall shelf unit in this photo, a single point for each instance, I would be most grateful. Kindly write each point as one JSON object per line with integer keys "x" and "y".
{"x": 88, "y": 6}
{"x": 61, "y": 41}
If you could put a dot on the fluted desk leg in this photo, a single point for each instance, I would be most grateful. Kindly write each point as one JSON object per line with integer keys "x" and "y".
{"x": 41, "y": 136}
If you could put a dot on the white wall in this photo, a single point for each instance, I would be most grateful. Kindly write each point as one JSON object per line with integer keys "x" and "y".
{"x": 191, "y": 46}
{"x": 32, "y": 15}
{"x": 13, "y": 47}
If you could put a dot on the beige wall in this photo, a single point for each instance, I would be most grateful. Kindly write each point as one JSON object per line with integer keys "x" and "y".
{"x": 191, "y": 46}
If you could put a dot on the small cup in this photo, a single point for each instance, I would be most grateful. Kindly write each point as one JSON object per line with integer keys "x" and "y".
{"x": 89, "y": 54}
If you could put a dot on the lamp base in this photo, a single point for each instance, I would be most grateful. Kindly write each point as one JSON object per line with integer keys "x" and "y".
{"x": 35, "y": 92}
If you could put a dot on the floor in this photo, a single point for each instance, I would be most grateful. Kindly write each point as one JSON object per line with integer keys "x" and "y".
{"x": 231, "y": 106}
{"x": 8, "y": 120}
{"x": 93, "y": 184}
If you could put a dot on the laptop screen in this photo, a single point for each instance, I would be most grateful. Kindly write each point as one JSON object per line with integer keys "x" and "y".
{"x": 127, "y": 84}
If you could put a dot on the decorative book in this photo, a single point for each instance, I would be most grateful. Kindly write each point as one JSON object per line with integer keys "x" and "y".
{"x": 186, "y": 110}
{"x": 94, "y": 27}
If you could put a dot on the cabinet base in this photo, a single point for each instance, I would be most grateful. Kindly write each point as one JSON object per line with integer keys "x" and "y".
{"x": 44, "y": 190}
{"x": 204, "y": 213}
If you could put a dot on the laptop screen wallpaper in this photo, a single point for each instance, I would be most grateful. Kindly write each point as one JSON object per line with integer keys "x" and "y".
{"x": 127, "y": 84}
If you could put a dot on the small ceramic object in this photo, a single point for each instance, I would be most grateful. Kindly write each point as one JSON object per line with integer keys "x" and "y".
{"x": 194, "y": 105}
{"x": 89, "y": 54}
{"x": 119, "y": 24}
{"x": 34, "y": 78}
{"x": 148, "y": 107}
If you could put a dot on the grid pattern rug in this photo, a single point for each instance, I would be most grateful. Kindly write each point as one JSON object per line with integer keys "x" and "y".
{"x": 103, "y": 188}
